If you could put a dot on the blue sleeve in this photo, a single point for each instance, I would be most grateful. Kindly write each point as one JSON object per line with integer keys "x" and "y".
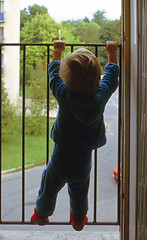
{"x": 109, "y": 82}
{"x": 57, "y": 85}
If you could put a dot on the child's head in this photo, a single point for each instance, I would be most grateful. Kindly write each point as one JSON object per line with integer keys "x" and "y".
{"x": 81, "y": 71}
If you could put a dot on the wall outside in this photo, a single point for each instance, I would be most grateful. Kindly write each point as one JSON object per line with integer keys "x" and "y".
{"x": 133, "y": 119}
{"x": 142, "y": 123}
{"x": 11, "y": 55}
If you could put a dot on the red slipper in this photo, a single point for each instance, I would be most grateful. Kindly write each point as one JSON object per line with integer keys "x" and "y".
{"x": 37, "y": 219}
{"x": 77, "y": 223}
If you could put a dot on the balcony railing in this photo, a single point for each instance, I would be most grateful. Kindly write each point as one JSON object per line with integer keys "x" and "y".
{"x": 1, "y": 17}
{"x": 96, "y": 48}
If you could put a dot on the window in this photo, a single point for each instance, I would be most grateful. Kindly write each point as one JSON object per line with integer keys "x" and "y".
{"x": 1, "y": 10}
{"x": 1, "y": 33}
{"x": 2, "y": 69}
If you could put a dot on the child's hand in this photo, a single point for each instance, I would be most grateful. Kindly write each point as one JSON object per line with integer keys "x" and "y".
{"x": 58, "y": 44}
{"x": 59, "y": 47}
{"x": 111, "y": 48}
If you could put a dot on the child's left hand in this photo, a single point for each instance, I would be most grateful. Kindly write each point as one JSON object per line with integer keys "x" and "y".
{"x": 59, "y": 47}
{"x": 59, "y": 44}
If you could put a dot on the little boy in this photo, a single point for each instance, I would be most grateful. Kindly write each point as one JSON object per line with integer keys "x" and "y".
{"x": 78, "y": 129}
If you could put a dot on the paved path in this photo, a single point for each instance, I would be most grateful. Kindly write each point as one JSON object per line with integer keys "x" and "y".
{"x": 12, "y": 235}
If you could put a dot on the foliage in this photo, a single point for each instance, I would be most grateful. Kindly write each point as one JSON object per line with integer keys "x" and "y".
{"x": 28, "y": 13}
{"x": 36, "y": 9}
{"x": 34, "y": 125}
{"x": 7, "y": 110}
{"x": 111, "y": 30}
{"x": 38, "y": 86}
{"x": 98, "y": 30}
{"x": 99, "y": 17}
{"x": 88, "y": 32}
{"x": 38, "y": 103}
{"x": 41, "y": 28}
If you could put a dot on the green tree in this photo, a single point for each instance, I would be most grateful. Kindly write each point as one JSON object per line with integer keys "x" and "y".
{"x": 35, "y": 121}
{"x": 28, "y": 13}
{"x": 38, "y": 88}
{"x": 88, "y": 32}
{"x": 86, "y": 19}
{"x": 36, "y": 9}
{"x": 99, "y": 17}
{"x": 7, "y": 110}
{"x": 41, "y": 29}
{"x": 24, "y": 17}
{"x": 111, "y": 30}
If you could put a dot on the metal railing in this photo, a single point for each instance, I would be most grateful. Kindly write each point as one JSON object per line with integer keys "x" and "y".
{"x": 23, "y": 47}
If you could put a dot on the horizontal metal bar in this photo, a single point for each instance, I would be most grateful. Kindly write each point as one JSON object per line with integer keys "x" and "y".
{"x": 60, "y": 223}
{"x": 51, "y": 44}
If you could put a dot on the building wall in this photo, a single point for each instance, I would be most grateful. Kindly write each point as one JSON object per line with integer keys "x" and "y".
{"x": 142, "y": 123}
{"x": 138, "y": 121}
{"x": 133, "y": 117}
{"x": 11, "y": 31}
{"x": 135, "y": 35}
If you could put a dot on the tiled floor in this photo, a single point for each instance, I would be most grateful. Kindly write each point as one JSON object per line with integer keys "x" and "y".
{"x": 56, "y": 235}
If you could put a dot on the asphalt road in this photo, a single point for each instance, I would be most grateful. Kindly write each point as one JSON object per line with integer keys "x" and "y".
{"x": 107, "y": 186}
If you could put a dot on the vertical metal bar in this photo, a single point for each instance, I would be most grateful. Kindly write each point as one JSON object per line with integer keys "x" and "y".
{"x": 119, "y": 138}
{"x": 23, "y": 137}
{"x": 126, "y": 72}
{"x": 71, "y": 48}
{"x": 95, "y": 186}
{"x": 95, "y": 171}
{"x": 96, "y": 51}
{"x": 0, "y": 128}
{"x": 47, "y": 145}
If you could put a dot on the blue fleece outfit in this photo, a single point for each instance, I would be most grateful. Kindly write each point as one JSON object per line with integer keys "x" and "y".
{"x": 78, "y": 129}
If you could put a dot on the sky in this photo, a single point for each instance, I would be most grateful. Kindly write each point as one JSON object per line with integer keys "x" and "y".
{"x": 61, "y": 10}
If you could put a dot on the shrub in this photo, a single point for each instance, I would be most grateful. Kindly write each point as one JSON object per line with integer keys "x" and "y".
{"x": 7, "y": 110}
{"x": 37, "y": 107}
{"x": 35, "y": 125}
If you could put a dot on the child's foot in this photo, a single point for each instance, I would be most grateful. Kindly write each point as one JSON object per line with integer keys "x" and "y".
{"x": 78, "y": 224}
{"x": 37, "y": 219}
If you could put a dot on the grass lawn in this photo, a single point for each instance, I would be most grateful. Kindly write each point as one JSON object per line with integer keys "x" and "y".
{"x": 35, "y": 148}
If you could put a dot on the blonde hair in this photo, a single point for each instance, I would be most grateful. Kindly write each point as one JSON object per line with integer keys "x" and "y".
{"x": 81, "y": 72}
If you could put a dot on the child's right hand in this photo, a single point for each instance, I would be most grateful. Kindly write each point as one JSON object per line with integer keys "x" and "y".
{"x": 111, "y": 48}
